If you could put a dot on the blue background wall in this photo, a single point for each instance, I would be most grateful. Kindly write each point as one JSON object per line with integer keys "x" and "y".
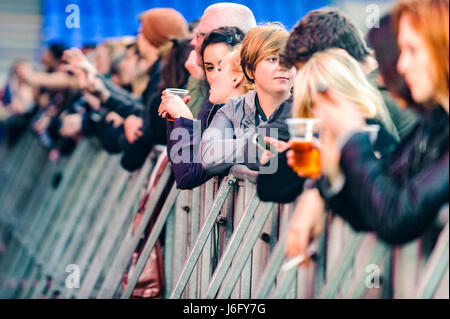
{"x": 100, "y": 19}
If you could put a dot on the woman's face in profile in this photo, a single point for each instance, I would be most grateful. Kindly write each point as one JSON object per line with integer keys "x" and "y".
{"x": 414, "y": 62}
{"x": 212, "y": 57}
{"x": 222, "y": 81}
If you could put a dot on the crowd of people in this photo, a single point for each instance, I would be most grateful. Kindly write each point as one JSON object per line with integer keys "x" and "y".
{"x": 245, "y": 81}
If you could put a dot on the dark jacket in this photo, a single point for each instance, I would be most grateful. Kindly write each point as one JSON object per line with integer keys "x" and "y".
{"x": 404, "y": 119}
{"x": 399, "y": 199}
{"x": 189, "y": 173}
{"x": 124, "y": 103}
{"x": 284, "y": 186}
{"x": 154, "y": 133}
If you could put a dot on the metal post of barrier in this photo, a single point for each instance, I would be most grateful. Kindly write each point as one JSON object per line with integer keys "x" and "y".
{"x": 206, "y": 266}
{"x": 128, "y": 246}
{"x": 54, "y": 231}
{"x": 222, "y": 195}
{"x": 180, "y": 235}
{"x": 343, "y": 265}
{"x": 233, "y": 245}
{"x": 194, "y": 214}
{"x": 378, "y": 255}
{"x": 272, "y": 268}
{"x": 437, "y": 267}
{"x": 245, "y": 250}
{"x": 44, "y": 215}
{"x": 168, "y": 253}
{"x": 106, "y": 248}
{"x": 151, "y": 242}
{"x": 83, "y": 226}
{"x": 106, "y": 214}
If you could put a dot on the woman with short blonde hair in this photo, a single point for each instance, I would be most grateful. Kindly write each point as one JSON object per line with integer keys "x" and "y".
{"x": 226, "y": 141}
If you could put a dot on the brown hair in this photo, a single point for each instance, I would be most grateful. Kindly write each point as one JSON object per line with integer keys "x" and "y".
{"x": 259, "y": 43}
{"x": 431, "y": 19}
{"x": 320, "y": 30}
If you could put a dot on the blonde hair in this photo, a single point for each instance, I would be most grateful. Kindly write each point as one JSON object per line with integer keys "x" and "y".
{"x": 259, "y": 43}
{"x": 335, "y": 68}
{"x": 236, "y": 68}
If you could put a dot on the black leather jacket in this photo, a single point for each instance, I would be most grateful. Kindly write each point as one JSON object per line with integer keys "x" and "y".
{"x": 398, "y": 198}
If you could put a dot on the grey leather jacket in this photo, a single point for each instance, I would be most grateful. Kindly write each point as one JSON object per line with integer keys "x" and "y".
{"x": 229, "y": 138}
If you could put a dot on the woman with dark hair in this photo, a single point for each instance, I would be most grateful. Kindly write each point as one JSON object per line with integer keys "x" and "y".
{"x": 217, "y": 50}
{"x": 384, "y": 43}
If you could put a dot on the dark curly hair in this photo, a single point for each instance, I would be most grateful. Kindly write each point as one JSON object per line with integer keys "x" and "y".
{"x": 228, "y": 35}
{"x": 322, "y": 29}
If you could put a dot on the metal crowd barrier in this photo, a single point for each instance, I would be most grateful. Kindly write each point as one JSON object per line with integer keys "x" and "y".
{"x": 67, "y": 230}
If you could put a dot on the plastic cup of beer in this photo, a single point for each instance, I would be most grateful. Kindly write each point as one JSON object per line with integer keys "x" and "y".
{"x": 305, "y": 138}
{"x": 179, "y": 92}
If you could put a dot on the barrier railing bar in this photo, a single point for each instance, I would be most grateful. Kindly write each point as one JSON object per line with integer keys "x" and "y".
{"x": 245, "y": 250}
{"x": 84, "y": 225}
{"x": 112, "y": 233}
{"x": 168, "y": 253}
{"x": 194, "y": 214}
{"x": 272, "y": 269}
{"x": 222, "y": 195}
{"x": 343, "y": 265}
{"x": 437, "y": 266}
{"x": 54, "y": 230}
{"x": 378, "y": 255}
{"x": 232, "y": 247}
{"x": 151, "y": 242}
{"x": 206, "y": 267}
{"x": 106, "y": 213}
{"x": 127, "y": 248}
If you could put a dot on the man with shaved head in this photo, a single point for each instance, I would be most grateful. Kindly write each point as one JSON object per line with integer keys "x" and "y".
{"x": 222, "y": 14}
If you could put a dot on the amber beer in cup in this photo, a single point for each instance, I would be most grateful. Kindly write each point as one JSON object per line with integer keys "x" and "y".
{"x": 181, "y": 93}
{"x": 305, "y": 137}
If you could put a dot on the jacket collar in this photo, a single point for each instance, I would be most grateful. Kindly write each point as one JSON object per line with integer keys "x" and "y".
{"x": 249, "y": 109}
{"x": 249, "y": 116}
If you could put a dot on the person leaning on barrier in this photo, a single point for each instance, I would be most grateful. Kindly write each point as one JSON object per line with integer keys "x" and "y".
{"x": 400, "y": 199}
{"x": 223, "y": 14}
{"x": 221, "y": 60}
{"x": 335, "y": 69}
{"x": 227, "y": 141}
{"x": 384, "y": 44}
{"x": 317, "y": 31}
{"x": 173, "y": 75}
{"x": 158, "y": 27}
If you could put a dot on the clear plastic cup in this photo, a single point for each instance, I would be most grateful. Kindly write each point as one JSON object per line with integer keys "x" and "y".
{"x": 305, "y": 135}
{"x": 179, "y": 92}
